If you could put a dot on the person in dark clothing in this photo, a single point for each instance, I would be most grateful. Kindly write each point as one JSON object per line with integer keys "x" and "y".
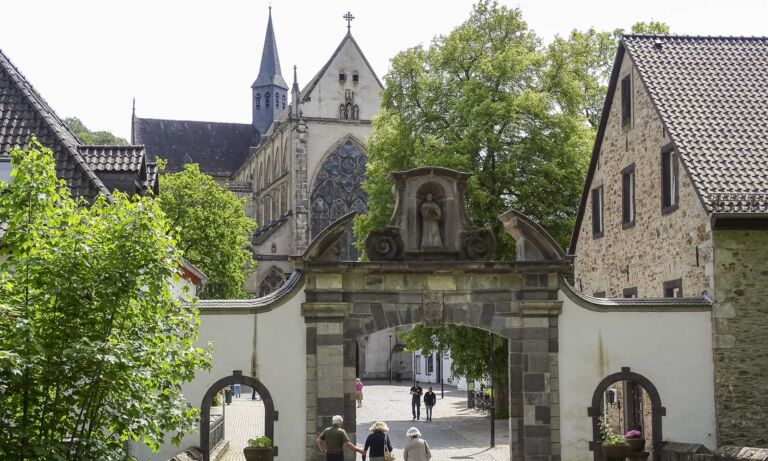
{"x": 376, "y": 441}
{"x": 416, "y": 392}
{"x": 429, "y": 401}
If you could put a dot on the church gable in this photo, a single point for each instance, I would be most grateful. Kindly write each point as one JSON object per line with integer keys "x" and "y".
{"x": 346, "y": 87}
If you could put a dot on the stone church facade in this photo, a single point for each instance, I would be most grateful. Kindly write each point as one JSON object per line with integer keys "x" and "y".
{"x": 676, "y": 198}
{"x": 299, "y": 164}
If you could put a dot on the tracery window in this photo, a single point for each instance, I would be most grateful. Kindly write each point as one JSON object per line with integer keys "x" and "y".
{"x": 337, "y": 191}
{"x": 272, "y": 281}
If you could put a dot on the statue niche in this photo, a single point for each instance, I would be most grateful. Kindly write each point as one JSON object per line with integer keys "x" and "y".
{"x": 430, "y": 221}
{"x": 431, "y": 215}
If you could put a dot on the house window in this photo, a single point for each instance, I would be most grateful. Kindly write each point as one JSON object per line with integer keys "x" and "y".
{"x": 355, "y": 77}
{"x": 626, "y": 101}
{"x": 258, "y": 101}
{"x": 597, "y": 212}
{"x": 669, "y": 188}
{"x": 628, "y": 196}
{"x": 5, "y": 170}
{"x": 342, "y": 77}
{"x": 598, "y": 294}
{"x": 431, "y": 364}
{"x": 266, "y": 100}
{"x": 629, "y": 292}
{"x": 673, "y": 289}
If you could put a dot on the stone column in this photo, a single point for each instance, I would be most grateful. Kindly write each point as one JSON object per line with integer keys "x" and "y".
{"x": 326, "y": 385}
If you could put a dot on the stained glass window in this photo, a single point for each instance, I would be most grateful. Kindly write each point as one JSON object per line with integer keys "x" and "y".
{"x": 337, "y": 191}
{"x": 272, "y": 281}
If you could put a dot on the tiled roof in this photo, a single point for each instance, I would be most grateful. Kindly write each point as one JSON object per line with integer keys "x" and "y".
{"x": 113, "y": 158}
{"x": 219, "y": 148}
{"x": 712, "y": 96}
{"x": 24, "y": 113}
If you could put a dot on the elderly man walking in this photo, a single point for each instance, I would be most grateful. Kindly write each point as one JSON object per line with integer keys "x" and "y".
{"x": 333, "y": 440}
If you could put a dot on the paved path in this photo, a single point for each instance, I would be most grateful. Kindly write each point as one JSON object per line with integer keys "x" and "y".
{"x": 454, "y": 433}
{"x": 245, "y": 420}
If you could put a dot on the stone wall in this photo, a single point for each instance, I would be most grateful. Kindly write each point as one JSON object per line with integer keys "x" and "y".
{"x": 659, "y": 247}
{"x": 740, "y": 344}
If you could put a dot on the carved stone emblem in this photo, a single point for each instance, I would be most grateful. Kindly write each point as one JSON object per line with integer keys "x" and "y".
{"x": 430, "y": 221}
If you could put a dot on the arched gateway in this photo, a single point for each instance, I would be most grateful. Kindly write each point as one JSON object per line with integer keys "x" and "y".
{"x": 453, "y": 280}
{"x": 431, "y": 265}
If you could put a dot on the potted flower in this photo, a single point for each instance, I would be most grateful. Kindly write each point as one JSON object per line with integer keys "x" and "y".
{"x": 614, "y": 446}
{"x": 635, "y": 440}
{"x": 259, "y": 449}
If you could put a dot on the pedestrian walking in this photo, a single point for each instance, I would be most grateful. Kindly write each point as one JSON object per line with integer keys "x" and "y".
{"x": 334, "y": 439}
{"x": 416, "y": 392}
{"x": 429, "y": 401}
{"x": 416, "y": 449}
{"x": 359, "y": 392}
{"x": 377, "y": 445}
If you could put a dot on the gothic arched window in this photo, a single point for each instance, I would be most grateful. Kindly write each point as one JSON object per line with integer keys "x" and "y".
{"x": 355, "y": 112}
{"x": 258, "y": 101}
{"x": 266, "y": 100}
{"x": 283, "y": 101}
{"x": 342, "y": 112}
{"x": 272, "y": 281}
{"x": 338, "y": 190}
{"x": 277, "y": 100}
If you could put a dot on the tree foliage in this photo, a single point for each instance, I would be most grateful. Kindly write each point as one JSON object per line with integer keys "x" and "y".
{"x": 489, "y": 99}
{"x": 478, "y": 100}
{"x": 86, "y": 136}
{"x": 94, "y": 347}
{"x": 213, "y": 230}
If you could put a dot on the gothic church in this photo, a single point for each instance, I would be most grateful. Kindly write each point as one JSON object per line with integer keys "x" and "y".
{"x": 299, "y": 164}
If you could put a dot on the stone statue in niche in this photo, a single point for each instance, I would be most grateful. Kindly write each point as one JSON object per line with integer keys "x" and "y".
{"x": 430, "y": 225}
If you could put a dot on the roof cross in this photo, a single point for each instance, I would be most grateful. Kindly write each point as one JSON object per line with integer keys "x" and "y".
{"x": 349, "y": 19}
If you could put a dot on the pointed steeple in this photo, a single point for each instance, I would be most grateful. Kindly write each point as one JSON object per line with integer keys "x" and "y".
{"x": 269, "y": 90}
{"x": 269, "y": 72}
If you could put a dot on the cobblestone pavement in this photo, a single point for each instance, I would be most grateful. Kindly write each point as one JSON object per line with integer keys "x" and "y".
{"x": 245, "y": 420}
{"x": 455, "y": 432}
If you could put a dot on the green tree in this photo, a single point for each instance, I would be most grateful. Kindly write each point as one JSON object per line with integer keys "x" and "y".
{"x": 578, "y": 67}
{"x": 213, "y": 230}
{"x": 94, "y": 347}
{"x": 476, "y": 100}
{"x": 86, "y": 136}
{"x": 469, "y": 354}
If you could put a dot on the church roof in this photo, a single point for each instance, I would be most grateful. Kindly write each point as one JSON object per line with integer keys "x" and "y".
{"x": 316, "y": 79}
{"x": 269, "y": 72}
{"x": 24, "y": 113}
{"x": 711, "y": 94}
{"x": 219, "y": 148}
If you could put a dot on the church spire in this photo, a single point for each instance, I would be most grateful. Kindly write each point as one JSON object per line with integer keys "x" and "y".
{"x": 269, "y": 72}
{"x": 269, "y": 89}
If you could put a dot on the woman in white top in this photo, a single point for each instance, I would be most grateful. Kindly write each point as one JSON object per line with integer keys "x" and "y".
{"x": 416, "y": 449}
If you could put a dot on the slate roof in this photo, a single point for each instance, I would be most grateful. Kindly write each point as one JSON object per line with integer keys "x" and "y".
{"x": 24, "y": 113}
{"x": 219, "y": 148}
{"x": 711, "y": 94}
{"x": 113, "y": 158}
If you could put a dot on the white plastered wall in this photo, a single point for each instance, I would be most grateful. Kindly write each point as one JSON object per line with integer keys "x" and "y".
{"x": 280, "y": 353}
{"x": 671, "y": 349}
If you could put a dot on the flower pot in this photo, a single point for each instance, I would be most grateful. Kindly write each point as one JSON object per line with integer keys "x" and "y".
{"x": 615, "y": 452}
{"x": 258, "y": 454}
{"x": 636, "y": 445}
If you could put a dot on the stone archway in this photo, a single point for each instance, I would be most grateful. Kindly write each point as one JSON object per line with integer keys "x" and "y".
{"x": 657, "y": 410}
{"x": 237, "y": 377}
{"x": 458, "y": 284}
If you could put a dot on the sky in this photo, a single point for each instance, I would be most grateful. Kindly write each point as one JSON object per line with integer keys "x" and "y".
{"x": 196, "y": 60}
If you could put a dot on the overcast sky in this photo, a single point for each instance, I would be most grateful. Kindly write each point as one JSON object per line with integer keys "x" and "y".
{"x": 196, "y": 60}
